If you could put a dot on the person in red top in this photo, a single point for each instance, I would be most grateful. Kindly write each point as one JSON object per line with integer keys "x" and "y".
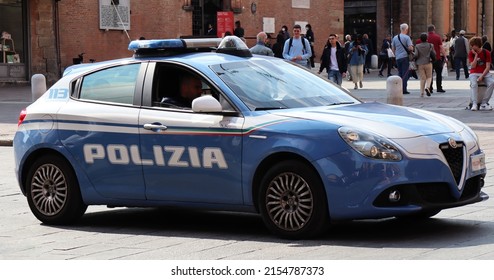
{"x": 480, "y": 64}
{"x": 441, "y": 58}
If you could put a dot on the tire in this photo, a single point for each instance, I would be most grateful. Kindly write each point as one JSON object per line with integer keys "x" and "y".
{"x": 292, "y": 201}
{"x": 53, "y": 192}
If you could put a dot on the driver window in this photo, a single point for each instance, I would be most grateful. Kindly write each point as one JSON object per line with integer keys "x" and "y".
{"x": 175, "y": 87}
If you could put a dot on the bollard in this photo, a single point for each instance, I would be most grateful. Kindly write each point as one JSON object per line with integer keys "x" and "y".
{"x": 38, "y": 86}
{"x": 394, "y": 88}
{"x": 374, "y": 61}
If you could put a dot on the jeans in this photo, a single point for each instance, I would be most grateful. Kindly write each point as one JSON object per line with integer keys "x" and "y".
{"x": 461, "y": 61}
{"x": 438, "y": 68}
{"x": 403, "y": 71}
{"x": 386, "y": 62}
{"x": 335, "y": 76}
{"x": 489, "y": 82}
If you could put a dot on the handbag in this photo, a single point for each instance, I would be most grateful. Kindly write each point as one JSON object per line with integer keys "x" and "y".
{"x": 390, "y": 52}
{"x": 444, "y": 72}
{"x": 432, "y": 54}
{"x": 412, "y": 65}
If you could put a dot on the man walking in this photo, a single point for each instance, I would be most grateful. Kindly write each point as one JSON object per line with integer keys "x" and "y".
{"x": 402, "y": 45}
{"x": 260, "y": 47}
{"x": 297, "y": 48}
{"x": 334, "y": 60}
{"x": 437, "y": 65}
{"x": 461, "y": 51}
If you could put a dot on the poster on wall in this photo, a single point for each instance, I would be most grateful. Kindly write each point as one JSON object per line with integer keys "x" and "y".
{"x": 114, "y": 15}
{"x": 224, "y": 23}
{"x": 268, "y": 25}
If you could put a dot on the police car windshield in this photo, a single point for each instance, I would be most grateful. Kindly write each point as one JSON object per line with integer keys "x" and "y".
{"x": 277, "y": 84}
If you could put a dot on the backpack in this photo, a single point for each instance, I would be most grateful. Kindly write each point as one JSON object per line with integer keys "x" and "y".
{"x": 290, "y": 44}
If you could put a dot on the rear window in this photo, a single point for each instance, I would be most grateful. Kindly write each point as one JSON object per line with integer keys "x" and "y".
{"x": 116, "y": 84}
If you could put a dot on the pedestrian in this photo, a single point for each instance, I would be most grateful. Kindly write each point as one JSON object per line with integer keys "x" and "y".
{"x": 211, "y": 31}
{"x": 485, "y": 44}
{"x": 480, "y": 65}
{"x": 357, "y": 53}
{"x": 446, "y": 48}
{"x": 297, "y": 48}
{"x": 461, "y": 51}
{"x": 278, "y": 46}
{"x": 260, "y": 47}
{"x": 333, "y": 60}
{"x": 423, "y": 54}
{"x": 386, "y": 59}
{"x": 348, "y": 42}
{"x": 370, "y": 51}
{"x": 309, "y": 34}
{"x": 286, "y": 34}
{"x": 438, "y": 63}
{"x": 452, "y": 49}
{"x": 239, "y": 31}
{"x": 402, "y": 47}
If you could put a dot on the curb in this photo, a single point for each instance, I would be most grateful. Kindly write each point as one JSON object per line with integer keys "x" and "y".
{"x": 6, "y": 143}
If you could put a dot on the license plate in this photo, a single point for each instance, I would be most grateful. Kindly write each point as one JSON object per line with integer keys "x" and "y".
{"x": 478, "y": 162}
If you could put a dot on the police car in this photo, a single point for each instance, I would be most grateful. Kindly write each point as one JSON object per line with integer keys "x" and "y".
{"x": 266, "y": 137}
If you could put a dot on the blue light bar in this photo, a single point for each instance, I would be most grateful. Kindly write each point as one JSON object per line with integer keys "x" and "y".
{"x": 157, "y": 44}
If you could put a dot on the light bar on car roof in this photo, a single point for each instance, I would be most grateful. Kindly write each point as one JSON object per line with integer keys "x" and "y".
{"x": 156, "y": 44}
{"x": 174, "y": 44}
{"x": 165, "y": 47}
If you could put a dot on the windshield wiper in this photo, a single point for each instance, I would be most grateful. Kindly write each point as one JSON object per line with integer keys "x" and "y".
{"x": 340, "y": 103}
{"x": 268, "y": 108}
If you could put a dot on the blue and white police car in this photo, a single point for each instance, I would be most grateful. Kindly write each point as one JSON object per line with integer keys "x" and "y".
{"x": 266, "y": 136}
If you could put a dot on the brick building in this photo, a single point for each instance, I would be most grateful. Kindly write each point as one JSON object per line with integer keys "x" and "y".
{"x": 49, "y": 34}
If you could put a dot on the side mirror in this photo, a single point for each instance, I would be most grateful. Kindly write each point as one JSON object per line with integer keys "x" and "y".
{"x": 206, "y": 104}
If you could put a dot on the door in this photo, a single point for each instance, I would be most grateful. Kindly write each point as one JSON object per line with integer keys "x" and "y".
{"x": 189, "y": 157}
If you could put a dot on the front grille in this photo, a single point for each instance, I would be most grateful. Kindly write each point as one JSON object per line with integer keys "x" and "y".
{"x": 429, "y": 194}
{"x": 454, "y": 156}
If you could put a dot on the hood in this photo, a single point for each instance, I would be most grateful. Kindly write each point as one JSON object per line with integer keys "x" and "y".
{"x": 396, "y": 122}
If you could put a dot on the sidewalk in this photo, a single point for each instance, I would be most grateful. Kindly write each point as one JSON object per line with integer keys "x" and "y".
{"x": 453, "y": 102}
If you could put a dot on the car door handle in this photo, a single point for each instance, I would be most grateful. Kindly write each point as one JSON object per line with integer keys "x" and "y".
{"x": 156, "y": 127}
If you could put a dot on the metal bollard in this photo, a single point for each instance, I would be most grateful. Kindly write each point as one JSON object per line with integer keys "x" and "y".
{"x": 394, "y": 88}
{"x": 38, "y": 86}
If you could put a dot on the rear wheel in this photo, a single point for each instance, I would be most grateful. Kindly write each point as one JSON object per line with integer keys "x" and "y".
{"x": 292, "y": 201}
{"x": 53, "y": 192}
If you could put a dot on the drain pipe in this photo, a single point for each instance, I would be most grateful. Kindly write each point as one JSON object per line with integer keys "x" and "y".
{"x": 57, "y": 38}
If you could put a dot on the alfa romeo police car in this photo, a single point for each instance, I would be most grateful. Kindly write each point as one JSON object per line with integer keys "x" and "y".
{"x": 266, "y": 136}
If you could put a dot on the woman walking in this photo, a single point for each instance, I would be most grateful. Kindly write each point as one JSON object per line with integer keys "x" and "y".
{"x": 357, "y": 52}
{"x": 386, "y": 60}
{"x": 423, "y": 53}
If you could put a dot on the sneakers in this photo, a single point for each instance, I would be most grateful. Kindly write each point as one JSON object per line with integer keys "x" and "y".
{"x": 474, "y": 107}
{"x": 485, "y": 107}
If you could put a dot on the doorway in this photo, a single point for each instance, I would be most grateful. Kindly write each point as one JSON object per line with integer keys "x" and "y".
{"x": 204, "y": 13}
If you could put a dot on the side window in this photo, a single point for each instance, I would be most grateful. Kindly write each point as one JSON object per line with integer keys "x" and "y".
{"x": 116, "y": 84}
{"x": 176, "y": 87}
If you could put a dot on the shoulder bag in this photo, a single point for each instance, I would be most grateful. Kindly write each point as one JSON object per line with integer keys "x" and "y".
{"x": 411, "y": 58}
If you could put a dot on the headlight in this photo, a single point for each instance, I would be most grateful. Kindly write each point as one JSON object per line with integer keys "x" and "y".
{"x": 370, "y": 145}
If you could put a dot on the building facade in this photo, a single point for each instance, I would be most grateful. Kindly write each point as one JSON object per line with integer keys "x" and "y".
{"x": 46, "y": 36}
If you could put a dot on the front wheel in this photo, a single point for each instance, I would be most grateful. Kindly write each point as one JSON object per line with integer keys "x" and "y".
{"x": 53, "y": 191}
{"x": 292, "y": 201}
